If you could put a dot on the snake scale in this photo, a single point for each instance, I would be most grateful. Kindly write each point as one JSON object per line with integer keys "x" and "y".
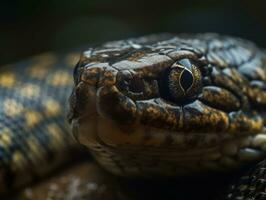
{"x": 155, "y": 106}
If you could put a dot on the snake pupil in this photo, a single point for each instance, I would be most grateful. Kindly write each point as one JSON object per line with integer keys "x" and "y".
{"x": 181, "y": 83}
{"x": 186, "y": 80}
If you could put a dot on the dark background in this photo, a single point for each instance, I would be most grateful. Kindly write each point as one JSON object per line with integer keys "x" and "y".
{"x": 29, "y": 27}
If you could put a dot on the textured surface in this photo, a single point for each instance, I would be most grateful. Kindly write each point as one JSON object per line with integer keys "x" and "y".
{"x": 156, "y": 106}
{"x": 33, "y": 134}
{"x": 159, "y": 126}
{"x": 250, "y": 186}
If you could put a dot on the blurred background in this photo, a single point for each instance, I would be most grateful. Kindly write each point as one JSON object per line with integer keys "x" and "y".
{"x": 29, "y": 27}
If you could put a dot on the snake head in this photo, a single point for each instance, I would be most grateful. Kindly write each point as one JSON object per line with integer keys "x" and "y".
{"x": 165, "y": 95}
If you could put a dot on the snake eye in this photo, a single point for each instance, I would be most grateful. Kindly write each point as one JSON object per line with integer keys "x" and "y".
{"x": 181, "y": 82}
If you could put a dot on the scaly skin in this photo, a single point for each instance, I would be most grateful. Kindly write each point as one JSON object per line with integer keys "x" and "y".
{"x": 155, "y": 106}
{"x": 34, "y": 138}
{"x": 126, "y": 110}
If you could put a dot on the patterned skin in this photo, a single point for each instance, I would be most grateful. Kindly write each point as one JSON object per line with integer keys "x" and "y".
{"x": 34, "y": 137}
{"x": 165, "y": 106}
{"x": 153, "y": 106}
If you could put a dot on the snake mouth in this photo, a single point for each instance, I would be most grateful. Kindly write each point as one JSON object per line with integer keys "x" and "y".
{"x": 147, "y": 138}
{"x": 141, "y": 147}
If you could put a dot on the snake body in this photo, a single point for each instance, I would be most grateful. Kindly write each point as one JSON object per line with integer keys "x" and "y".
{"x": 154, "y": 106}
{"x": 34, "y": 138}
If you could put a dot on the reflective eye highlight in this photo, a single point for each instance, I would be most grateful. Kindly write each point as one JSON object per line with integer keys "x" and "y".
{"x": 181, "y": 82}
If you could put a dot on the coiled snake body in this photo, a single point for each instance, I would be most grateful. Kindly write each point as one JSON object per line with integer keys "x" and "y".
{"x": 155, "y": 106}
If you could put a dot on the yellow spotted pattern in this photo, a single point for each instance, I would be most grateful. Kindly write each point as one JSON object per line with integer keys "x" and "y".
{"x": 30, "y": 90}
{"x": 7, "y": 79}
{"x": 5, "y": 137}
{"x": 56, "y": 133}
{"x": 32, "y": 118}
{"x": 60, "y": 78}
{"x": 32, "y": 131}
{"x": 34, "y": 147}
{"x": 51, "y": 107}
{"x": 12, "y": 108}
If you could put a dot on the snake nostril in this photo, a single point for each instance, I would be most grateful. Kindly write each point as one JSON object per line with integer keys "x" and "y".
{"x": 133, "y": 85}
{"x": 138, "y": 88}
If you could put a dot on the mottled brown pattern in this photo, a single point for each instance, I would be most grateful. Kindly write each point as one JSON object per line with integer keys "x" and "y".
{"x": 180, "y": 132}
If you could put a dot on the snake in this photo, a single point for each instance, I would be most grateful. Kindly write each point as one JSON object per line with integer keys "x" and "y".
{"x": 152, "y": 107}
